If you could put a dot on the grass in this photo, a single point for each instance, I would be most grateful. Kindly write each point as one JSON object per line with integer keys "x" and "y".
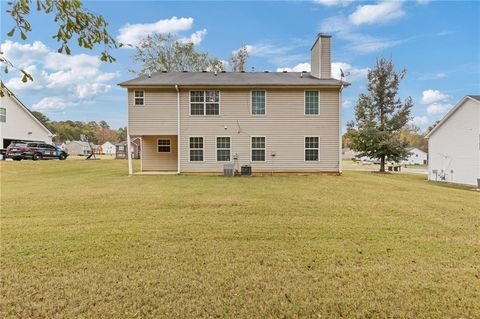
{"x": 79, "y": 239}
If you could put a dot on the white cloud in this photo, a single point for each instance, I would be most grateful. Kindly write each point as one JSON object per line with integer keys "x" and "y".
{"x": 351, "y": 73}
{"x": 377, "y": 13}
{"x": 53, "y": 103}
{"x": 67, "y": 80}
{"x": 419, "y": 121}
{"x": 134, "y": 33}
{"x": 358, "y": 42}
{"x": 432, "y": 96}
{"x": 330, "y": 3}
{"x": 347, "y": 104}
{"x": 438, "y": 108}
{"x": 195, "y": 37}
{"x": 432, "y": 76}
{"x": 423, "y": 1}
{"x": 297, "y": 68}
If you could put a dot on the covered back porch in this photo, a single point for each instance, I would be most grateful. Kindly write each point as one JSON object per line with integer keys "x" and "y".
{"x": 159, "y": 153}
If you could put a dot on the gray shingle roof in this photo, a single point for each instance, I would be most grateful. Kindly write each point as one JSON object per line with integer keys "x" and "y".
{"x": 476, "y": 97}
{"x": 230, "y": 78}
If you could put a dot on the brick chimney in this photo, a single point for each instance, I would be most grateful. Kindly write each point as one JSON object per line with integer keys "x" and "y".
{"x": 321, "y": 61}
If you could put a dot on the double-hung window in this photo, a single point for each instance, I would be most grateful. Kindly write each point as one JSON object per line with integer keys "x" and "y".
{"x": 311, "y": 103}
{"x": 311, "y": 148}
{"x": 258, "y": 148}
{"x": 3, "y": 114}
{"x": 258, "y": 102}
{"x": 205, "y": 102}
{"x": 139, "y": 98}
{"x": 223, "y": 149}
{"x": 196, "y": 149}
{"x": 164, "y": 145}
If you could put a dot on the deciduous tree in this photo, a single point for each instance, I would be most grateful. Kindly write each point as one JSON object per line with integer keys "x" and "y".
{"x": 380, "y": 116}
{"x": 165, "y": 52}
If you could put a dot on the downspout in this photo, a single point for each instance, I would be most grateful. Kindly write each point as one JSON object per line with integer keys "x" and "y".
{"x": 340, "y": 160}
{"x": 178, "y": 129}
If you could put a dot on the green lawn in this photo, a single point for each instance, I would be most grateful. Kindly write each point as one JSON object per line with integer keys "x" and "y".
{"x": 79, "y": 239}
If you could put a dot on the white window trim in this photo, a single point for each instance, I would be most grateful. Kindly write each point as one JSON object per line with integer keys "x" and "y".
{"x": 251, "y": 149}
{"x": 169, "y": 139}
{"x": 138, "y": 98}
{"x": 304, "y": 149}
{"x": 251, "y": 104}
{"x": 204, "y": 104}
{"x": 216, "y": 149}
{"x": 304, "y": 100}
{"x": 203, "y": 149}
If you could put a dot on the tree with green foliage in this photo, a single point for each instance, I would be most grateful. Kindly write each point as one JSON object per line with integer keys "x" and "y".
{"x": 74, "y": 21}
{"x": 380, "y": 116}
{"x": 238, "y": 59}
{"x": 414, "y": 137}
{"x": 165, "y": 52}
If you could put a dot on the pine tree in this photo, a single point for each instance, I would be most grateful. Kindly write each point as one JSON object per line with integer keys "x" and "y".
{"x": 380, "y": 116}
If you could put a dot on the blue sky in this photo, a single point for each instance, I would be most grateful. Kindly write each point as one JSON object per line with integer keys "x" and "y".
{"x": 438, "y": 42}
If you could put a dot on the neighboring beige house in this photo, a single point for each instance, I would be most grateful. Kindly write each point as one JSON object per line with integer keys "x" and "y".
{"x": 78, "y": 148}
{"x": 17, "y": 123}
{"x": 454, "y": 144}
{"x": 272, "y": 121}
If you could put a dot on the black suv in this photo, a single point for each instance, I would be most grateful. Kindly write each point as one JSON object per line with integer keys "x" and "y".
{"x": 34, "y": 150}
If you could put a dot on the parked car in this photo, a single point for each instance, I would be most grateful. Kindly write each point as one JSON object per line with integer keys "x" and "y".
{"x": 35, "y": 151}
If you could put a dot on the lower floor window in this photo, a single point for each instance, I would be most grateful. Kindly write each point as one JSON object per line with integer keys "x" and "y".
{"x": 223, "y": 149}
{"x": 311, "y": 148}
{"x": 196, "y": 149}
{"x": 258, "y": 148}
{"x": 163, "y": 145}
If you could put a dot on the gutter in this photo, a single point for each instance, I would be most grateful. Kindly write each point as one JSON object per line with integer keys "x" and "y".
{"x": 340, "y": 160}
{"x": 178, "y": 128}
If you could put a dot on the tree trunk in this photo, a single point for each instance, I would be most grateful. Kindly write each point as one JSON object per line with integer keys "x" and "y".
{"x": 382, "y": 163}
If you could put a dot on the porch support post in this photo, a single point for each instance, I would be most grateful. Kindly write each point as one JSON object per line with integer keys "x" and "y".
{"x": 129, "y": 154}
{"x": 178, "y": 129}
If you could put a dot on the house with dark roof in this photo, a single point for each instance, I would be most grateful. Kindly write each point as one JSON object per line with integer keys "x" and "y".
{"x": 17, "y": 122}
{"x": 121, "y": 149}
{"x": 270, "y": 121}
{"x": 454, "y": 144}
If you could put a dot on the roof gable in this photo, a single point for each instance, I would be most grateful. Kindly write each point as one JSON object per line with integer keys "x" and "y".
{"x": 27, "y": 110}
{"x": 475, "y": 98}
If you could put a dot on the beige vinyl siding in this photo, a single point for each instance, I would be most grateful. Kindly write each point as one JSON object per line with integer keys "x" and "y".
{"x": 154, "y": 161}
{"x": 315, "y": 59}
{"x": 158, "y": 116}
{"x": 284, "y": 127}
{"x": 325, "y": 53}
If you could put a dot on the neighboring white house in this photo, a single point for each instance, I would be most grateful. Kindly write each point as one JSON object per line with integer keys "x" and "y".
{"x": 108, "y": 148}
{"x": 454, "y": 144}
{"x": 18, "y": 123}
{"x": 78, "y": 148}
{"x": 416, "y": 157}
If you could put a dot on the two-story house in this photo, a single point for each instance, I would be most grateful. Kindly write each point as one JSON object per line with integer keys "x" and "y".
{"x": 272, "y": 121}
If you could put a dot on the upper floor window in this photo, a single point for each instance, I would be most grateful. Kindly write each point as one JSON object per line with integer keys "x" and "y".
{"x": 258, "y": 148}
{"x": 311, "y": 103}
{"x": 196, "y": 149}
{"x": 3, "y": 114}
{"x": 311, "y": 148}
{"x": 163, "y": 145}
{"x": 139, "y": 98}
{"x": 258, "y": 102}
{"x": 223, "y": 149}
{"x": 204, "y": 102}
